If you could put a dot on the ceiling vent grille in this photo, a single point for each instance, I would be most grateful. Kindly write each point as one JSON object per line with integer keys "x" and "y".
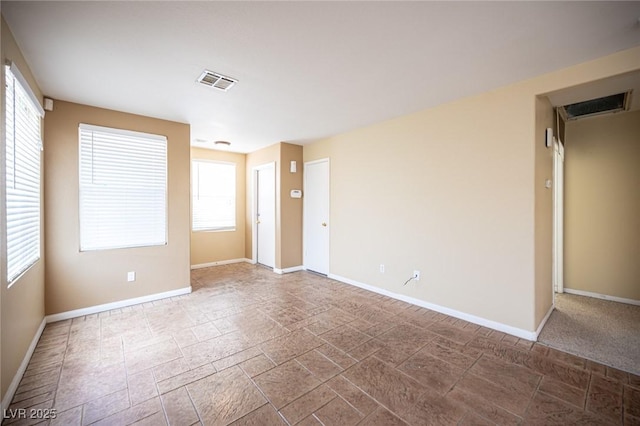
{"x": 217, "y": 81}
{"x": 605, "y": 105}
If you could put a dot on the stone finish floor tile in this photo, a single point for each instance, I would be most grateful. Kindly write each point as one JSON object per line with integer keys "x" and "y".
{"x": 353, "y": 395}
{"x": 225, "y": 396}
{"x": 286, "y": 383}
{"x": 257, "y": 365}
{"x": 338, "y": 413}
{"x": 432, "y": 372}
{"x": 385, "y": 384}
{"x": 250, "y": 347}
{"x": 282, "y": 349}
{"x": 487, "y": 409}
{"x": 382, "y": 417}
{"x": 105, "y": 406}
{"x": 307, "y": 404}
{"x": 435, "y": 409}
{"x": 265, "y": 415}
{"x": 179, "y": 408}
{"x": 319, "y": 365}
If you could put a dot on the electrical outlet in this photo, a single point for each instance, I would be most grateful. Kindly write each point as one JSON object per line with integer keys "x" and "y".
{"x": 131, "y": 276}
{"x": 382, "y": 268}
{"x": 416, "y": 275}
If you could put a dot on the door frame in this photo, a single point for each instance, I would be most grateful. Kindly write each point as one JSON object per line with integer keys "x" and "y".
{"x": 558, "y": 216}
{"x": 254, "y": 210}
{"x": 304, "y": 209}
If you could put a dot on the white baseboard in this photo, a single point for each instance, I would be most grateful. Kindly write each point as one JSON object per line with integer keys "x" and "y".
{"x": 602, "y": 296}
{"x": 116, "y": 305}
{"x": 544, "y": 321}
{"x": 514, "y": 331}
{"x": 13, "y": 387}
{"x": 220, "y": 262}
{"x": 288, "y": 270}
{"x": 8, "y": 397}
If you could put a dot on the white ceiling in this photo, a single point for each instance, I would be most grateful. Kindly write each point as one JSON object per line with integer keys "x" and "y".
{"x": 306, "y": 70}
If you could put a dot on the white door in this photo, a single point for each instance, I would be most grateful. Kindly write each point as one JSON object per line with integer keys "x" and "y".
{"x": 316, "y": 216}
{"x": 558, "y": 216}
{"x": 265, "y": 216}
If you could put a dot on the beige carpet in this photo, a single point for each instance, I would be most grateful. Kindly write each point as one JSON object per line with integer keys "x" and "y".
{"x": 600, "y": 330}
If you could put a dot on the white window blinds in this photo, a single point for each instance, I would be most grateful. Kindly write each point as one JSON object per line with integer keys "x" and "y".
{"x": 23, "y": 147}
{"x": 123, "y": 188}
{"x": 214, "y": 195}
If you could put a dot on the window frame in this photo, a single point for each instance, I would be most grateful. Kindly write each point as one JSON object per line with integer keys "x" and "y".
{"x": 232, "y": 228}
{"x": 29, "y": 155}
{"x": 114, "y": 132}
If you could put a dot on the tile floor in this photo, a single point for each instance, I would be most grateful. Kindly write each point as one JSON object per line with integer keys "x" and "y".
{"x": 249, "y": 347}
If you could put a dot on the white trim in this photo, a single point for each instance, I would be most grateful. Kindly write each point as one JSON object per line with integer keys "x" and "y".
{"x": 544, "y": 321}
{"x": 558, "y": 216}
{"x": 321, "y": 160}
{"x": 13, "y": 387}
{"x": 123, "y": 132}
{"x": 220, "y": 262}
{"x": 254, "y": 208}
{"x": 288, "y": 270}
{"x": 27, "y": 88}
{"x": 116, "y": 305}
{"x": 195, "y": 186}
{"x": 602, "y": 296}
{"x": 514, "y": 331}
{"x": 8, "y": 397}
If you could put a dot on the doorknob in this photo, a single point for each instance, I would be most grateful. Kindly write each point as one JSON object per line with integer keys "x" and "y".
{"x": 257, "y": 222}
{"x": 324, "y": 224}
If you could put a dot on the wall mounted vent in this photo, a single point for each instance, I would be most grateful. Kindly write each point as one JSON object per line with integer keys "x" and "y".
{"x": 605, "y": 105}
{"x": 217, "y": 81}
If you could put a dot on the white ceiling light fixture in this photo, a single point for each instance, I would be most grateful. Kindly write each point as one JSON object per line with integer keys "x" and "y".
{"x": 222, "y": 144}
{"x": 216, "y": 80}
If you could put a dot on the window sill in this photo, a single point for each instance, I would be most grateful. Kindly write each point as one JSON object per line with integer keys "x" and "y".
{"x": 215, "y": 230}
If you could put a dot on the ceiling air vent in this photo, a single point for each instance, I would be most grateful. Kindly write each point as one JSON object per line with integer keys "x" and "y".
{"x": 604, "y": 105}
{"x": 217, "y": 81}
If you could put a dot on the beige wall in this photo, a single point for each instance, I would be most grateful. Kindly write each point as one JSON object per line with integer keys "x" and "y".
{"x": 209, "y": 247}
{"x": 288, "y": 210}
{"x": 83, "y": 279}
{"x": 23, "y": 303}
{"x": 602, "y": 205}
{"x": 446, "y": 191}
{"x": 543, "y": 291}
{"x": 456, "y": 191}
{"x": 291, "y": 208}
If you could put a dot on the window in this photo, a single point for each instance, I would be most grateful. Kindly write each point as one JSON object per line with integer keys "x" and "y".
{"x": 214, "y": 196}
{"x": 23, "y": 146}
{"x": 123, "y": 189}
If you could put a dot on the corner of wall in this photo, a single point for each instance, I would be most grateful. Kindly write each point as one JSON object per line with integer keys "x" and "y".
{"x": 291, "y": 208}
{"x": 288, "y": 210}
{"x": 158, "y": 268}
{"x": 543, "y": 213}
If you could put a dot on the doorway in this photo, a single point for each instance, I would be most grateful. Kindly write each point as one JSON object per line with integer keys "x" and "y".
{"x": 594, "y": 161}
{"x": 316, "y": 216}
{"x": 264, "y": 236}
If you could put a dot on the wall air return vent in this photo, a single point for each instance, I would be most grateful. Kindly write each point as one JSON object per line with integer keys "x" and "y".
{"x": 604, "y": 105}
{"x": 217, "y": 81}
